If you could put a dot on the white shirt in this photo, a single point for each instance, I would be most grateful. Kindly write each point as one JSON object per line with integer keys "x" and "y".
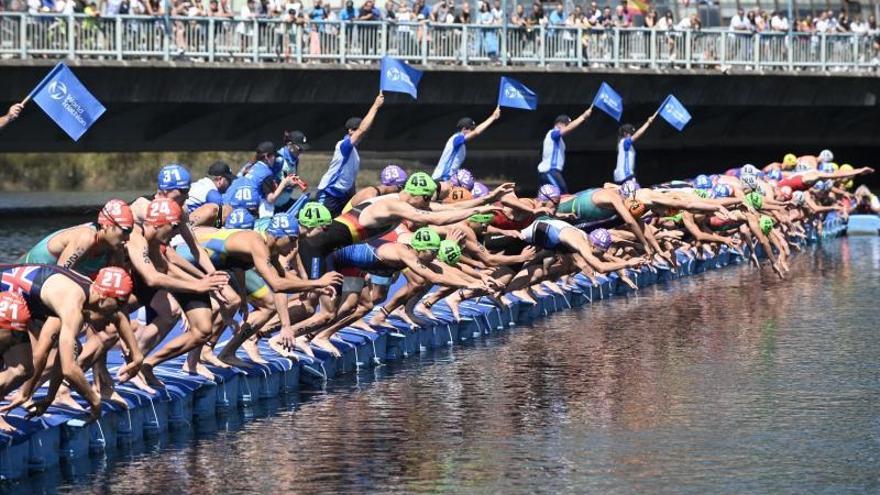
{"x": 738, "y": 23}
{"x": 198, "y": 193}
{"x": 451, "y": 158}
{"x": 553, "y": 152}
{"x": 626, "y": 160}
{"x": 342, "y": 172}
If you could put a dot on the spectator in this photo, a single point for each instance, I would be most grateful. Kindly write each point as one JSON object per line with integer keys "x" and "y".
{"x": 497, "y": 12}
{"x": 858, "y": 26}
{"x": 536, "y": 18}
{"x": 666, "y": 22}
{"x": 557, "y": 17}
{"x": 750, "y": 18}
{"x": 348, "y": 13}
{"x": 651, "y": 19}
{"x": 464, "y": 15}
{"x": 740, "y": 22}
{"x": 489, "y": 35}
{"x": 594, "y": 14}
{"x": 778, "y": 22}
{"x": 622, "y": 18}
{"x": 518, "y": 19}
{"x": 688, "y": 23}
{"x": 577, "y": 18}
{"x": 441, "y": 10}
{"x": 421, "y": 11}
{"x": 369, "y": 12}
{"x": 607, "y": 19}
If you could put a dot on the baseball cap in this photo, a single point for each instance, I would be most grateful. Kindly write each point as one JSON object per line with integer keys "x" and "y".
{"x": 562, "y": 119}
{"x": 266, "y": 147}
{"x": 466, "y": 123}
{"x": 353, "y": 123}
{"x": 297, "y": 138}
{"x": 221, "y": 169}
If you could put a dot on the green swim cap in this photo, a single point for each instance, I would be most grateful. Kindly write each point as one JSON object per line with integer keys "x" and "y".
{"x": 755, "y": 200}
{"x": 701, "y": 193}
{"x": 425, "y": 239}
{"x": 314, "y": 214}
{"x": 420, "y": 184}
{"x": 766, "y": 224}
{"x": 677, "y": 218}
{"x": 481, "y": 218}
{"x": 450, "y": 252}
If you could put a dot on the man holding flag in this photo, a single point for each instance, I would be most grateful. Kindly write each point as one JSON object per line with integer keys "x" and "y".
{"x": 337, "y": 185}
{"x": 627, "y": 135}
{"x": 553, "y": 153}
{"x": 454, "y": 152}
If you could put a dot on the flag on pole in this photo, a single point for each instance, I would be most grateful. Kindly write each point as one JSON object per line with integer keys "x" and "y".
{"x": 66, "y": 101}
{"x": 609, "y": 101}
{"x": 398, "y": 77}
{"x": 514, "y": 94}
{"x": 674, "y": 112}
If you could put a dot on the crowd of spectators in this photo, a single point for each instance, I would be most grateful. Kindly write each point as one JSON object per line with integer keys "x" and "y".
{"x": 410, "y": 17}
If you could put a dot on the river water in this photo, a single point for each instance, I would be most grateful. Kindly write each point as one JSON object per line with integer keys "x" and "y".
{"x": 727, "y": 382}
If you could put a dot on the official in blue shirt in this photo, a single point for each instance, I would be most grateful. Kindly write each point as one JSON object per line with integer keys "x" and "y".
{"x": 454, "y": 152}
{"x": 553, "y": 152}
{"x": 337, "y": 185}
{"x": 626, "y": 151}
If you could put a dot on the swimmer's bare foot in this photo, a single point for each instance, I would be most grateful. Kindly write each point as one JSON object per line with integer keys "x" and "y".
{"x": 207, "y": 356}
{"x": 625, "y": 279}
{"x": 4, "y": 426}
{"x": 362, "y": 325}
{"x": 324, "y": 344}
{"x": 454, "y": 307}
{"x": 302, "y": 344}
{"x": 275, "y": 345}
{"x": 63, "y": 398}
{"x": 553, "y": 287}
{"x": 524, "y": 295}
{"x": 140, "y": 384}
{"x": 149, "y": 377}
{"x": 198, "y": 369}
{"x": 232, "y": 360}
{"x": 422, "y": 310}
{"x": 108, "y": 392}
{"x": 252, "y": 350}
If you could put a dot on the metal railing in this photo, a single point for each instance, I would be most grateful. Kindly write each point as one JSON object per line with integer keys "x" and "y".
{"x": 29, "y": 36}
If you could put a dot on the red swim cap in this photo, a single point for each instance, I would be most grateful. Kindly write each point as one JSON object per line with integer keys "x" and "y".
{"x": 14, "y": 311}
{"x": 162, "y": 211}
{"x": 113, "y": 281}
{"x": 116, "y": 212}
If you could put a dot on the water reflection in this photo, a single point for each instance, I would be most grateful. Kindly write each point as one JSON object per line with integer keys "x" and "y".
{"x": 730, "y": 382}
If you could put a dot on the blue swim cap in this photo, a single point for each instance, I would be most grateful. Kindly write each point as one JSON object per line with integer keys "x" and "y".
{"x": 246, "y": 195}
{"x": 774, "y": 174}
{"x": 174, "y": 176}
{"x": 702, "y": 182}
{"x": 722, "y": 191}
{"x": 283, "y": 224}
{"x": 239, "y": 218}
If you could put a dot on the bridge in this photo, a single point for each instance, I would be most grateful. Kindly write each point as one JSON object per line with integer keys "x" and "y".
{"x": 742, "y": 112}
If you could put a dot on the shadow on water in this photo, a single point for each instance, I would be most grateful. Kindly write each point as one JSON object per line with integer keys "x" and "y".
{"x": 728, "y": 382}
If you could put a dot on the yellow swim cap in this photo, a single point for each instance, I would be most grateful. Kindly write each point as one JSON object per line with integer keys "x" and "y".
{"x": 846, "y": 167}
{"x": 789, "y": 161}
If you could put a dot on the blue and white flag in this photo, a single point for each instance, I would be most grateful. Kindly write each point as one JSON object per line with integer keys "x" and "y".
{"x": 66, "y": 101}
{"x": 674, "y": 112}
{"x": 398, "y": 77}
{"x": 609, "y": 101}
{"x": 515, "y": 94}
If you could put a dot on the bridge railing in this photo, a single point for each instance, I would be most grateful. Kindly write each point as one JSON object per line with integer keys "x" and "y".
{"x": 29, "y": 36}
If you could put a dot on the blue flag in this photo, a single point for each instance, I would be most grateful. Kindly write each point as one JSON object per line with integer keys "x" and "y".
{"x": 515, "y": 94}
{"x": 674, "y": 112}
{"x": 66, "y": 101}
{"x": 609, "y": 101}
{"x": 396, "y": 76}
